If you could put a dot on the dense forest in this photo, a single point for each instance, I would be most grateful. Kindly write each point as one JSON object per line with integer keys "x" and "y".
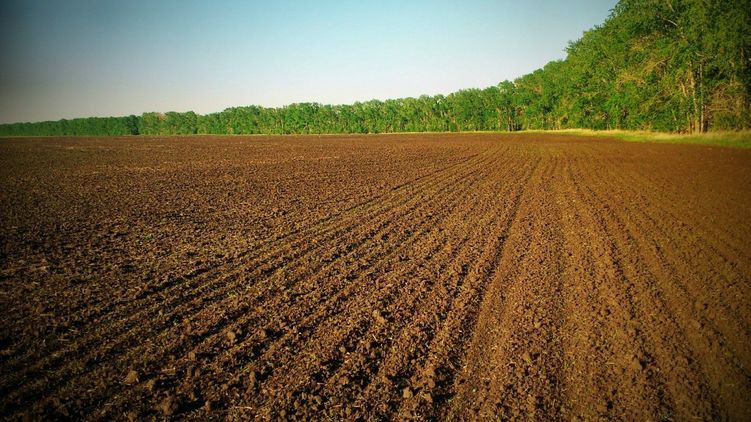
{"x": 663, "y": 65}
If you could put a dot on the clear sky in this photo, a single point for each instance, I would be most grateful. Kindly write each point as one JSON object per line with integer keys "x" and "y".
{"x": 80, "y": 58}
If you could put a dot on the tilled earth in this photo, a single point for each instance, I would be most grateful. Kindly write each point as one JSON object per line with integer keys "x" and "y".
{"x": 374, "y": 277}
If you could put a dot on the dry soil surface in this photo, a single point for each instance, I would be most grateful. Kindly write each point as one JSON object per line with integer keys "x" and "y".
{"x": 374, "y": 277}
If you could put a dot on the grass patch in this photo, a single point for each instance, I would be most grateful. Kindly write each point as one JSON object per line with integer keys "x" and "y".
{"x": 739, "y": 139}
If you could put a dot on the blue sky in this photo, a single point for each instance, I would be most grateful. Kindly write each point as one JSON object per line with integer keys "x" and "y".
{"x": 77, "y": 58}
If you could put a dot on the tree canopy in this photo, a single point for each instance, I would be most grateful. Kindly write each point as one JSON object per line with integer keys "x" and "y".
{"x": 665, "y": 65}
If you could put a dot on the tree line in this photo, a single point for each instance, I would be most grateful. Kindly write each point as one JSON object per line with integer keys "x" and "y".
{"x": 664, "y": 65}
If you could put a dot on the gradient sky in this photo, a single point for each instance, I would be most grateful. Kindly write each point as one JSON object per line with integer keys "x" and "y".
{"x": 79, "y": 58}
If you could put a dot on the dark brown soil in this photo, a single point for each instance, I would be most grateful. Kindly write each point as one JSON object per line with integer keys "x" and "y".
{"x": 374, "y": 277}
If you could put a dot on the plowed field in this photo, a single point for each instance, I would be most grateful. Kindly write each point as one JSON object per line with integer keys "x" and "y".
{"x": 374, "y": 277}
